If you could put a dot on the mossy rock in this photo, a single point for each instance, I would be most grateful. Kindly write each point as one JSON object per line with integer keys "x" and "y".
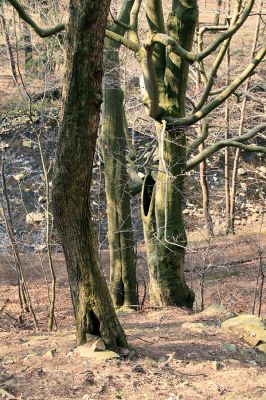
{"x": 217, "y": 309}
{"x": 248, "y": 327}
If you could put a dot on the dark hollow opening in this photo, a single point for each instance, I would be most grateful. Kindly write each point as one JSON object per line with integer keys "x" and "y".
{"x": 147, "y": 193}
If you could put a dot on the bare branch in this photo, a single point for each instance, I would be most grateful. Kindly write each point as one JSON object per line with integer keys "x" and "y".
{"x": 187, "y": 121}
{"x": 236, "y": 141}
{"x": 200, "y": 139}
{"x": 135, "y": 47}
{"x": 40, "y": 31}
{"x": 190, "y": 56}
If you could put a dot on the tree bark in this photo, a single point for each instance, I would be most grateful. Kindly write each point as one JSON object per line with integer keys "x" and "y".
{"x": 120, "y": 232}
{"x": 162, "y": 214}
{"x": 164, "y": 226}
{"x": 82, "y": 97}
{"x": 114, "y": 147}
{"x": 9, "y": 47}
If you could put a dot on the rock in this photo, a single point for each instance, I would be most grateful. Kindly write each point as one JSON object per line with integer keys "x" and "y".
{"x": 216, "y": 309}
{"x": 261, "y": 347}
{"x": 217, "y": 365}
{"x": 99, "y": 345}
{"x": 194, "y": 326}
{"x": 229, "y": 348}
{"x": 35, "y": 217}
{"x": 50, "y": 353}
{"x": 241, "y": 172}
{"x": 90, "y": 337}
{"x": 9, "y": 382}
{"x": 5, "y": 395}
{"x": 250, "y": 328}
{"x": 138, "y": 368}
{"x": 125, "y": 310}
{"x": 19, "y": 177}
{"x": 243, "y": 186}
{"x": 27, "y": 143}
{"x": 86, "y": 351}
{"x": 232, "y": 361}
{"x": 104, "y": 355}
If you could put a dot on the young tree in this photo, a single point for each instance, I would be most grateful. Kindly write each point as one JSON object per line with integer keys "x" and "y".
{"x": 82, "y": 96}
{"x": 164, "y": 59}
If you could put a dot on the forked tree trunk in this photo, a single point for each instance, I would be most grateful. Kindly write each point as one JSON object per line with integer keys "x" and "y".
{"x": 82, "y": 96}
{"x": 164, "y": 226}
{"x": 162, "y": 204}
{"x": 120, "y": 233}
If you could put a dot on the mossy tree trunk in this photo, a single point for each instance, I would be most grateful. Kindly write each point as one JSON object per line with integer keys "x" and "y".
{"x": 164, "y": 226}
{"x": 162, "y": 205}
{"x": 120, "y": 232}
{"x": 82, "y": 97}
{"x": 114, "y": 148}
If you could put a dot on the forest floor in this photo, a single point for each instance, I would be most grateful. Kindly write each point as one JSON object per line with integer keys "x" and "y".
{"x": 173, "y": 361}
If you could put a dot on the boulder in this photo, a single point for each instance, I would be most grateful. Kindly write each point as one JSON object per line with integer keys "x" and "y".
{"x": 248, "y": 327}
{"x": 195, "y": 326}
{"x": 214, "y": 309}
{"x": 218, "y": 310}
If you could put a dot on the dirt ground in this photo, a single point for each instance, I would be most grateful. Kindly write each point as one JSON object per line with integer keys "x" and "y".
{"x": 171, "y": 363}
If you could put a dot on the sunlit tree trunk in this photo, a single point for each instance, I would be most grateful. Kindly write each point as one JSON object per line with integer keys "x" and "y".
{"x": 114, "y": 148}
{"x": 82, "y": 97}
{"x": 162, "y": 217}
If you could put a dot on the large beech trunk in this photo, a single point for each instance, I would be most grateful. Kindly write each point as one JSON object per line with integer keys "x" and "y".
{"x": 120, "y": 233}
{"x": 92, "y": 304}
{"x": 162, "y": 204}
{"x": 164, "y": 226}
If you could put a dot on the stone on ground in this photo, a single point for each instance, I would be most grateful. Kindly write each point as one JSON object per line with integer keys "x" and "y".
{"x": 5, "y": 395}
{"x": 86, "y": 351}
{"x": 250, "y": 328}
{"x": 99, "y": 345}
{"x": 195, "y": 326}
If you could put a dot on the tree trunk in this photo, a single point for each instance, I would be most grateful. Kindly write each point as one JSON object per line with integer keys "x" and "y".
{"x": 217, "y": 15}
{"x": 162, "y": 217}
{"x": 114, "y": 148}
{"x": 82, "y": 96}
{"x": 205, "y": 195}
{"x": 9, "y": 47}
{"x": 164, "y": 226}
{"x": 120, "y": 232}
{"x": 27, "y": 46}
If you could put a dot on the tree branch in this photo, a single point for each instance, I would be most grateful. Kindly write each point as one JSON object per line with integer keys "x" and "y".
{"x": 135, "y": 47}
{"x": 40, "y": 31}
{"x": 209, "y": 81}
{"x": 190, "y": 56}
{"x": 236, "y": 141}
{"x": 187, "y": 121}
{"x": 197, "y": 142}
